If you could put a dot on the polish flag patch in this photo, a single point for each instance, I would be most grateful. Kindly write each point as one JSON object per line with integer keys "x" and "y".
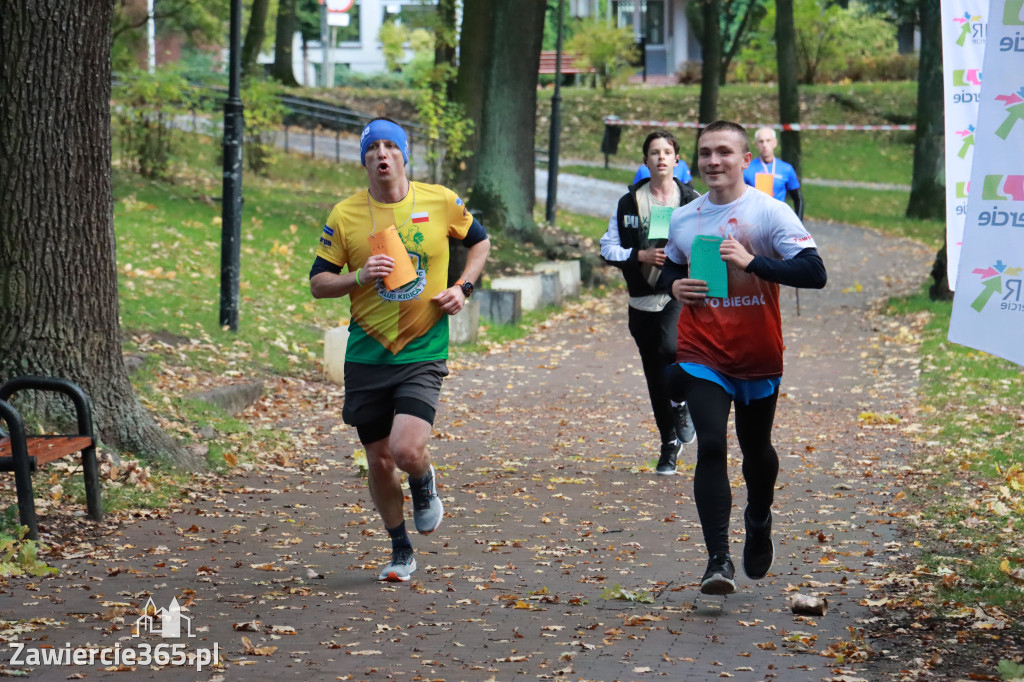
{"x": 420, "y": 217}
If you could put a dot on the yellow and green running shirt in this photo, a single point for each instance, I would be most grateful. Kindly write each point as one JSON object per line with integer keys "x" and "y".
{"x": 404, "y": 325}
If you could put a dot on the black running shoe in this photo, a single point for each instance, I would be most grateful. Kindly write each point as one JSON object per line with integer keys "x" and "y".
{"x": 759, "y": 550}
{"x": 684, "y": 425}
{"x": 667, "y": 461}
{"x": 718, "y": 579}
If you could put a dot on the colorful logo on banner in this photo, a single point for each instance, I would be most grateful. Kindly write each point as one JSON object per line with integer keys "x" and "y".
{"x": 1003, "y": 188}
{"x": 993, "y": 279}
{"x": 1014, "y": 106}
{"x": 1013, "y": 13}
{"x": 966, "y": 78}
{"x": 967, "y": 137}
{"x": 972, "y": 27}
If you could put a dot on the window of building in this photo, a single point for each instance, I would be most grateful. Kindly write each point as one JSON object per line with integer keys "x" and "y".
{"x": 350, "y": 33}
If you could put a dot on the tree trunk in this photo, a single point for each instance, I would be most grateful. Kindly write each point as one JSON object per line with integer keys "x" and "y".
{"x": 734, "y": 45}
{"x": 711, "y": 64}
{"x": 445, "y": 40}
{"x": 939, "y": 290}
{"x": 905, "y": 37}
{"x": 254, "y": 36}
{"x": 789, "y": 93}
{"x": 928, "y": 184}
{"x": 497, "y": 85}
{"x": 58, "y": 275}
{"x": 282, "y": 70}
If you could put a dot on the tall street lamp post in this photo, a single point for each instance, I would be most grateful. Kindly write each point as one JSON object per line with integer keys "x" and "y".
{"x": 556, "y": 125}
{"x": 231, "y": 195}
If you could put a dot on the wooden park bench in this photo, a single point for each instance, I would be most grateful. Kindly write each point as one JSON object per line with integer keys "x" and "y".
{"x": 549, "y": 60}
{"x": 22, "y": 453}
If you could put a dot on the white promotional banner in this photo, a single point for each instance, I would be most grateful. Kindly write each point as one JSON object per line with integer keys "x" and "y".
{"x": 963, "y": 48}
{"x": 988, "y": 309}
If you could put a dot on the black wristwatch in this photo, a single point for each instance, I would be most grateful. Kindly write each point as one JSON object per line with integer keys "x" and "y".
{"x": 466, "y": 286}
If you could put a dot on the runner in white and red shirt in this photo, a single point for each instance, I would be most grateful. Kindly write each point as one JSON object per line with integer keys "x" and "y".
{"x": 729, "y": 349}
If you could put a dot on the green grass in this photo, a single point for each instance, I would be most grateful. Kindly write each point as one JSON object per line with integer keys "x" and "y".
{"x": 169, "y": 252}
{"x": 860, "y": 156}
{"x": 972, "y": 500}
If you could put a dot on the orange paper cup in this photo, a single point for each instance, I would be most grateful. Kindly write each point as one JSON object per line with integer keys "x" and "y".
{"x": 388, "y": 242}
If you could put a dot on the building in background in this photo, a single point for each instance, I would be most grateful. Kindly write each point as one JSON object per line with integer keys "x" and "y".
{"x": 659, "y": 25}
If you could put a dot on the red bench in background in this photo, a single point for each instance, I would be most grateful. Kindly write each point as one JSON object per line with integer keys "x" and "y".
{"x": 549, "y": 60}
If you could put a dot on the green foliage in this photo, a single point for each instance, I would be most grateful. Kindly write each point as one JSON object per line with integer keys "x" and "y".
{"x": 608, "y": 49}
{"x": 264, "y": 114}
{"x": 447, "y": 126}
{"x": 393, "y": 37}
{"x": 736, "y": 21}
{"x": 832, "y": 44}
{"x": 202, "y": 66}
{"x": 20, "y": 556}
{"x": 200, "y": 23}
{"x": 1010, "y": 670}
{"x": 145, "y": 106}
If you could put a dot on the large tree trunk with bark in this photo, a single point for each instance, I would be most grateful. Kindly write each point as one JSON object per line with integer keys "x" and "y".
{"x": 711, "y": 65}
{"x": 928, "y": 184}
{"x": 254, "y": 36}
{"x": 789, "y": 93}
{"x": 497, "y": 85}
{"x": 58, "y": 276}
{"x": 281, "y": 70}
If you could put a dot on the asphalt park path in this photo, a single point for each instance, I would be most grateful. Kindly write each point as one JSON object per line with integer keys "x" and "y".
{"x": 544, "y": 452}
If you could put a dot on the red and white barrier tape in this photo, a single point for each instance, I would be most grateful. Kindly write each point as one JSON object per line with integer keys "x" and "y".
{"x": 614, "y": 120}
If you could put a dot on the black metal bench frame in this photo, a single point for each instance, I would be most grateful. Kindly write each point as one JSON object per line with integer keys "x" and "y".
{"x": 23, "y": 453}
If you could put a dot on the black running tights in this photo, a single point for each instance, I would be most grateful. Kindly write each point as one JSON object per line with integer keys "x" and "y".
{"x": 709, "y": 408}
{"x": 655, "y": 336}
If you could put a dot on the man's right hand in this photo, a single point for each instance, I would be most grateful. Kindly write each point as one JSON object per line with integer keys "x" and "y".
{"x": 690, "y": 291}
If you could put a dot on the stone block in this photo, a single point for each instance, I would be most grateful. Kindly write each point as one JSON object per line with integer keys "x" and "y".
{"x": 502, "y": 307}
{"x": 235, "y": 398}
{"x": 335, "y": 342}
{"x": 465, "y": 327}
{"x": 528, "y": 285}
{"x": 568, "y": 272}
{"x": 550, "y": 289}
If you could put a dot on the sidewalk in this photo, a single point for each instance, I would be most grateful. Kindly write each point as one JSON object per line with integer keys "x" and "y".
{"x": 543, "y": 452}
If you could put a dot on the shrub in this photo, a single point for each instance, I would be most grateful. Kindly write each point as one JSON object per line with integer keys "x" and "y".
{"x": 607, "y": 49}
{"x": 145, "y": 109}
{"x": 833, "y": 44}
{"x": 263, "y": 116}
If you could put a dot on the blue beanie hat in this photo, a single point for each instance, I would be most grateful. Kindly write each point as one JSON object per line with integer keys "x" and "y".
{"x": 381, "y": 129}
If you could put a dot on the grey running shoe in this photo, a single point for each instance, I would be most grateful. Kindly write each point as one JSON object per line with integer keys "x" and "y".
{"x": 667, "y": 461}
{"x": 684, "y": 425}
{"x": 718, "y": 579}
{"x": 402, "y": 565}
{"x": 758, "y": 550}
{"x": 427, "y": 510}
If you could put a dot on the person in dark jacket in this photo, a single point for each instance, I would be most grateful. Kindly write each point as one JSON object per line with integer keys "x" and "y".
{"x": 635, "y": 243}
